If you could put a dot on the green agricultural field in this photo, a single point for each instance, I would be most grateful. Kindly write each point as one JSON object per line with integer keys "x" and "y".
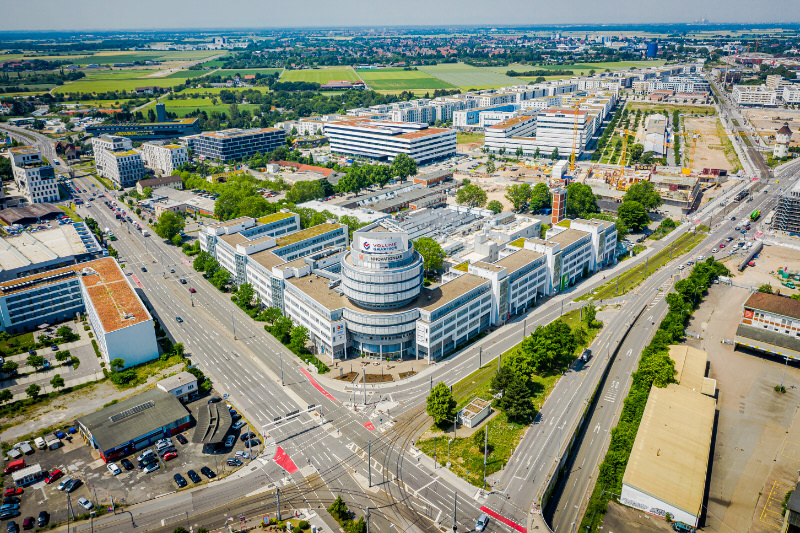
{"x": 243, "y": 71}
{"x": 117, "y": 81}
{"x": 184, "y": 74}
{"x": 183, "y": 107}
{"x": 322, "y": 75}
{"x": 397, "y": 79}
{"x": 105, "y": 104}
{"x": 216, "y": 90}
{"x": 469, "y": 77}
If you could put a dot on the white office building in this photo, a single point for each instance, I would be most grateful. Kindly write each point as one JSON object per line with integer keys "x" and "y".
{"x": 382, "y": 141}
{"x": 163, "y": 158}
{"x": 33, "y": 175}
{"x": 115, "y": 159}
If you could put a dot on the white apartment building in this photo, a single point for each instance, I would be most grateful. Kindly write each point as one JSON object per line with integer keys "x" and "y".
{"x": 163, "y": 158}
{"x": 511, "y": 134}
{"x": 115, "y": 159}
{"x": 755, "y": 95}
{"x": 790, "y": 94}
{"x": 382, "y": 141}
{"x": 33, "y": 175}
{"x": 565, "y": 129}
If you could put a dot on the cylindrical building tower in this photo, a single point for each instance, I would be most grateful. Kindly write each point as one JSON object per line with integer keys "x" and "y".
{"x": 782, "y": 138}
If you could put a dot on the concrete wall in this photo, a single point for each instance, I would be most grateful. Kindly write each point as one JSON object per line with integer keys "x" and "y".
{"x": 639, "y": 500}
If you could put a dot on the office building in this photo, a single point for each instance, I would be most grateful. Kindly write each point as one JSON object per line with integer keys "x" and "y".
{"x": 383, "y": 141}
{"x": 33, "y": 175}
{"x": 148, "y": 131}
{"x": 787, "y": 211}
{"x": 171, "y": 182}
{"x": 115, "y": 159}
{"x": 771, "y": 324}
{"x": 235, "y": 144}
{"x": 29, "y": 253}
{"x": 164, "y": 159}
{"x": 134, "y": 423}
{"x": 182, "y": 385}
{"x": 511, "y": 134}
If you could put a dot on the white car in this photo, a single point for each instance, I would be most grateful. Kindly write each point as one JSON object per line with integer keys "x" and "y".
{"x": 700, "y": 257}
{"x": 243, "y": 455}
{"x": 64, "y": 483}
{"x": 239, "y": 424}
{"x": 114, "y": 469}
{"x": 152, "y": 467}
{"x": 86, "y": 504}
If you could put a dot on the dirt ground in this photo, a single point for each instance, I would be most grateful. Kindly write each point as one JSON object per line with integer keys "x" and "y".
{"x": 622, "y": 519}
{"x": 709, "y": 152}
{"x": 766, "y": 121}
{"x": 755, "y": 452}
{"x": 495, "y": 185}
{"x": 766, "y": 269}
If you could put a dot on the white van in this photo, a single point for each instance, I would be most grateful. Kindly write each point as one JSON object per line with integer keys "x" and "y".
{"x": 40, "y": 443}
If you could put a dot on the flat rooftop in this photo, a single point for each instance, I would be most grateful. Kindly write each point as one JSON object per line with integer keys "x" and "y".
{"x": 229, "y": 223}
{"x": 690, "y": 366}
{"x": 518, "y": 260}
{"x": 567, "y": 237}
{"x": 115, "y": 301}
{"x": 669, "y": 460}
{"x": 233, "y": 238}
{"x": 274, "y": 217}
{"x": 30, "y": 248}
{"x": 266, "y": 259}
{"x": 133, "y": 417}
{"x": 307, "y": 233}
{"x": 432, "y": 299}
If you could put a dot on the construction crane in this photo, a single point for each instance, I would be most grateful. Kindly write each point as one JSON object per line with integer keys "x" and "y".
{"x": 575, "y": 109}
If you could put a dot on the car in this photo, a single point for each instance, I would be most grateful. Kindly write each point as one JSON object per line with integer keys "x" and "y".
{"x": 9, "y": 507}
{"x": 152, "y": 467}
{"x": 10, "y": 499}
{"x": 179, "y": 319}
{"x": 63, "y": 485}
{"x": 234, "y": 461}
{"x": 183, "y": 281}
{"x": 86, "y": 504}
{"x": 483, "y": 519}
{"x": 54, "y": 347}
{"x": 700, "y": 257}
{"x": 31, "y": 352}
{"x": 11, "y": 513}
{"x": 191, "y": 289}
{"x": 236, "y": 417}
{"x": 252, "y": 442}
{"x": 73, "y": 485}
{"x": 163, "y": 444}
{"x": 193, "y": 476}
{"x": 144, "y": 269}
{"x": 180, "y": 481}
{"x": 12, "y": 527}
{"x": 114, "y": 469}
{"x": 28, "y": 522}
{"x": 206, "y": 471}
{"x": 248, "y": 435}
{"x": 150, "y": 459}
{"x": 126, "y": 464}
{"x": 722, "y": 245}
{"x": 229, "y": 440}
{"x": 681, "y": 267}
{"x": 44, "y": 519}
{"x": 145, "y": 454}
{"x": 733, "y": 218}
{"x": 586, "y": 355}
{"x": 13, "y": 491}
{"x": 214, "y": 399}
{"x": 242, "y": 455}
{"x": 240, "y": 424}
{"x": 181, "y": 439}
{"x": 169, "y": 455}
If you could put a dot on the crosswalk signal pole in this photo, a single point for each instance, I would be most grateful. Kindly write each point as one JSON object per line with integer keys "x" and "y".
{"x": 278, "y": 498}
{"x": 369, "y": 462}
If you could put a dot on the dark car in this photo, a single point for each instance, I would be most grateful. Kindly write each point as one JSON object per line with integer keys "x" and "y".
{"x": 206, "y": 471}
{"x": 181, "y": 439}
{"x": 126, "y": 464}
{"x": 252, "y": 442}
{"x": 193, "y": 476}
{"x": 248, "y": 435}
{"x": 233, "y": 462}
{"x": 28, "y": 523}
{"x": 32, "y": 352}
{"x": 179, "y": 319}
{"x": 144, "y": 269}
{"x": 183, "y": 281}
{"x": 10, "y": 513}
{"x": 44, "y": 519}
{"x": 73, "y": 485}
{"x": 236, "y": 417}
{"x": 13, "y": 527}
{"x": 10, "y": 499}
{"x": 150, "y": 459}
{"x": 179, "y": 480}
{"x": 214, "y": 399}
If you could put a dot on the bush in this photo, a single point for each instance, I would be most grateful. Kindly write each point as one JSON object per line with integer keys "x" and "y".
{"x": 303, "y": 524}
{"x": 62, "y": 355}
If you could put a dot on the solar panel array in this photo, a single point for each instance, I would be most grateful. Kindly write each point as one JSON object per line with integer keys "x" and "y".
{"x": 132, "y": 411}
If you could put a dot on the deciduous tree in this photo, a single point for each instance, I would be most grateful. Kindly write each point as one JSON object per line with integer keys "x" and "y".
{"x": 440, "y": 404}
{"x": 431, "y": 252}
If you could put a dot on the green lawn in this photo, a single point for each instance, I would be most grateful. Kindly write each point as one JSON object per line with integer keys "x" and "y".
{"x": 469, "y": 77}
{"x": 579, "y": 69}
{"x": 183, "y": 107}
{"x": 117, "y": 81}
{"x": 322, "y": 75}
{"x": 105, "y": 103}
{"x": 217, "y": 90}
{"x": 184, "y": 74}
{"x": 630, "y": 279}
{"x": 16, "y": 343}
{"x": 393, "y": 79}
{"x": 669, "y": 108}
{"x": 70, "y": 213}
{"x": 243, "y": 71}
{"x": 464, "y": 137}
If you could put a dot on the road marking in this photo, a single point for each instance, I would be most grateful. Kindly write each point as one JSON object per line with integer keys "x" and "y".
{"x": 504, "y": 520}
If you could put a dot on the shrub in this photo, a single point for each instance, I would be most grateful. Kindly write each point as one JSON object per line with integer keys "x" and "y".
{"x": 303, "y": 524}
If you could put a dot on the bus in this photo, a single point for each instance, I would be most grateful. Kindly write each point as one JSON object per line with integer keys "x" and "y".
{"x": 754, "y": 215}
{"x": 741, "y": 196}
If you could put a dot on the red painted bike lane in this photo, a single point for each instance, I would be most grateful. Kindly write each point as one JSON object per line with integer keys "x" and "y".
{"x": 283, "y": 460}
{"x": 317, "y": 385}
{"x": 503, "y": 519}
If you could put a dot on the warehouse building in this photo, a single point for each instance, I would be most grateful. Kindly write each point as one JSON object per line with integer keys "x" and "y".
{"x": 771, "y": 324}
{"x": 134, "y": 423}
{"x": 235, "y": 144}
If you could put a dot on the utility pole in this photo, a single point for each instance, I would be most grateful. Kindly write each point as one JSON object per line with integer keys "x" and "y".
{"x": 485, "y": 452}
{"x": 278, "y": 502}
{"x": 455, "y": 508}
{"x": 282, "y": 382}
{"x": 364, "y": 379}
{"x": 431, "y": 387}
{"x": 480, "y": 352}
{"x": 233, "y": 321}
{"x": 367, "y": 519}
{"x": 524, "y": 327}
{"x": 369, "y": 462}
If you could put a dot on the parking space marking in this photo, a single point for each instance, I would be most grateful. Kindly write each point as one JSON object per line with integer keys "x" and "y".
{"x": 772, "y": 513}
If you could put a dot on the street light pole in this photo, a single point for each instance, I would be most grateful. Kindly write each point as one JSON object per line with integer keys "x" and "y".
{"x": 786, "y": 358}
{"x": 369, "y": 462}
{"x": 282, "y": 382}
{"x": 233, "y": 321}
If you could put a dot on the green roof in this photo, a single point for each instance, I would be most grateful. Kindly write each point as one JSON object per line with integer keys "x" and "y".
{"x": 306, "y": 233}
{"x": 564, "y": 223}
{"x": 463, "y": 267}
{"x": 519, "y": 243}
{"x": 274, "y": 217}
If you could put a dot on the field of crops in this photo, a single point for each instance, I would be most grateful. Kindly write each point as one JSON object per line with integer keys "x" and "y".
{"x": 244, "y": 71}
{"x": 397, "y": 79}
{"x": 118, "y": 80}
{"x": 106, "y": 58}
{"x": 322, "y": 75}
{"x": 183, "y": 107}
{"x": 469, "y": 77}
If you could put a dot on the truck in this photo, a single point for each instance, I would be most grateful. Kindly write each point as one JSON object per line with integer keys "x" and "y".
{"x": 40, "y": 443}
{"x": 145, "y": 233}
{"x": 754, "y": 215}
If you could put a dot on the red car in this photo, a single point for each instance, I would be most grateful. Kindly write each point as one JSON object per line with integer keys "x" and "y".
{"x": 54, "y": 475}
{"x": 13, "y": 491}
{"x": 169, "y": 455}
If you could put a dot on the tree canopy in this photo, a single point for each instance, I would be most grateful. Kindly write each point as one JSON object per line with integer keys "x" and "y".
{"x": 644, "y": 193}
{"x": 541, "y": 198}
{"x": 581, "y": 201}
{"x": 168, "y": 225}
{"x": 440, "y": 404}
{"x": 518, "y": 194}
{"x": 633, "y": 214}
{"x": 471, "y": 195}
{"x": 495, "y": 206}
{"x": 431, "y": 252}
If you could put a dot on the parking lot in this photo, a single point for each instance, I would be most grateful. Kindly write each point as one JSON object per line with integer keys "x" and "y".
{"x": 76, "y": 460}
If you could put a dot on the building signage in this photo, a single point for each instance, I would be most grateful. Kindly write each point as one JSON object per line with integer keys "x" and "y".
{"x": 381, "y": 245}
{"x": 383, "y": 258}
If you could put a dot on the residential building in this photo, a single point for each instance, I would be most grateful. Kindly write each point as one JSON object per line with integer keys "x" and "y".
{"x": 771, "y": 324}
{"x": 383, "y": 141}
{"x": 235, "y": 144}
{"x": 33, "y": 175}
{"x": 182, "y": 385}
{"x": 755, "y": 95}
{"x": 790, "y": 93}
{"x": 172, "y": 182}
{"x": 163, "y": 158}
{"x": 134, "y": 423}
{"x": 115, "y": 159}
{"x": 787, "y": 211}
{"x": 512, "y": 134}
{"x": 655, "y": 134}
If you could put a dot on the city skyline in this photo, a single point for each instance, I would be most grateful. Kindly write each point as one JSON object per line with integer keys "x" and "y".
{"x": 98, "y": 15}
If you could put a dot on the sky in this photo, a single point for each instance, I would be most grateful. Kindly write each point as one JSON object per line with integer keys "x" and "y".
{"x": 176, "y": 14}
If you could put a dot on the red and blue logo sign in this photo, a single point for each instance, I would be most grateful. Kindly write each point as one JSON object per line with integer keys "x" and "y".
{"x": 366, "y": 245}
